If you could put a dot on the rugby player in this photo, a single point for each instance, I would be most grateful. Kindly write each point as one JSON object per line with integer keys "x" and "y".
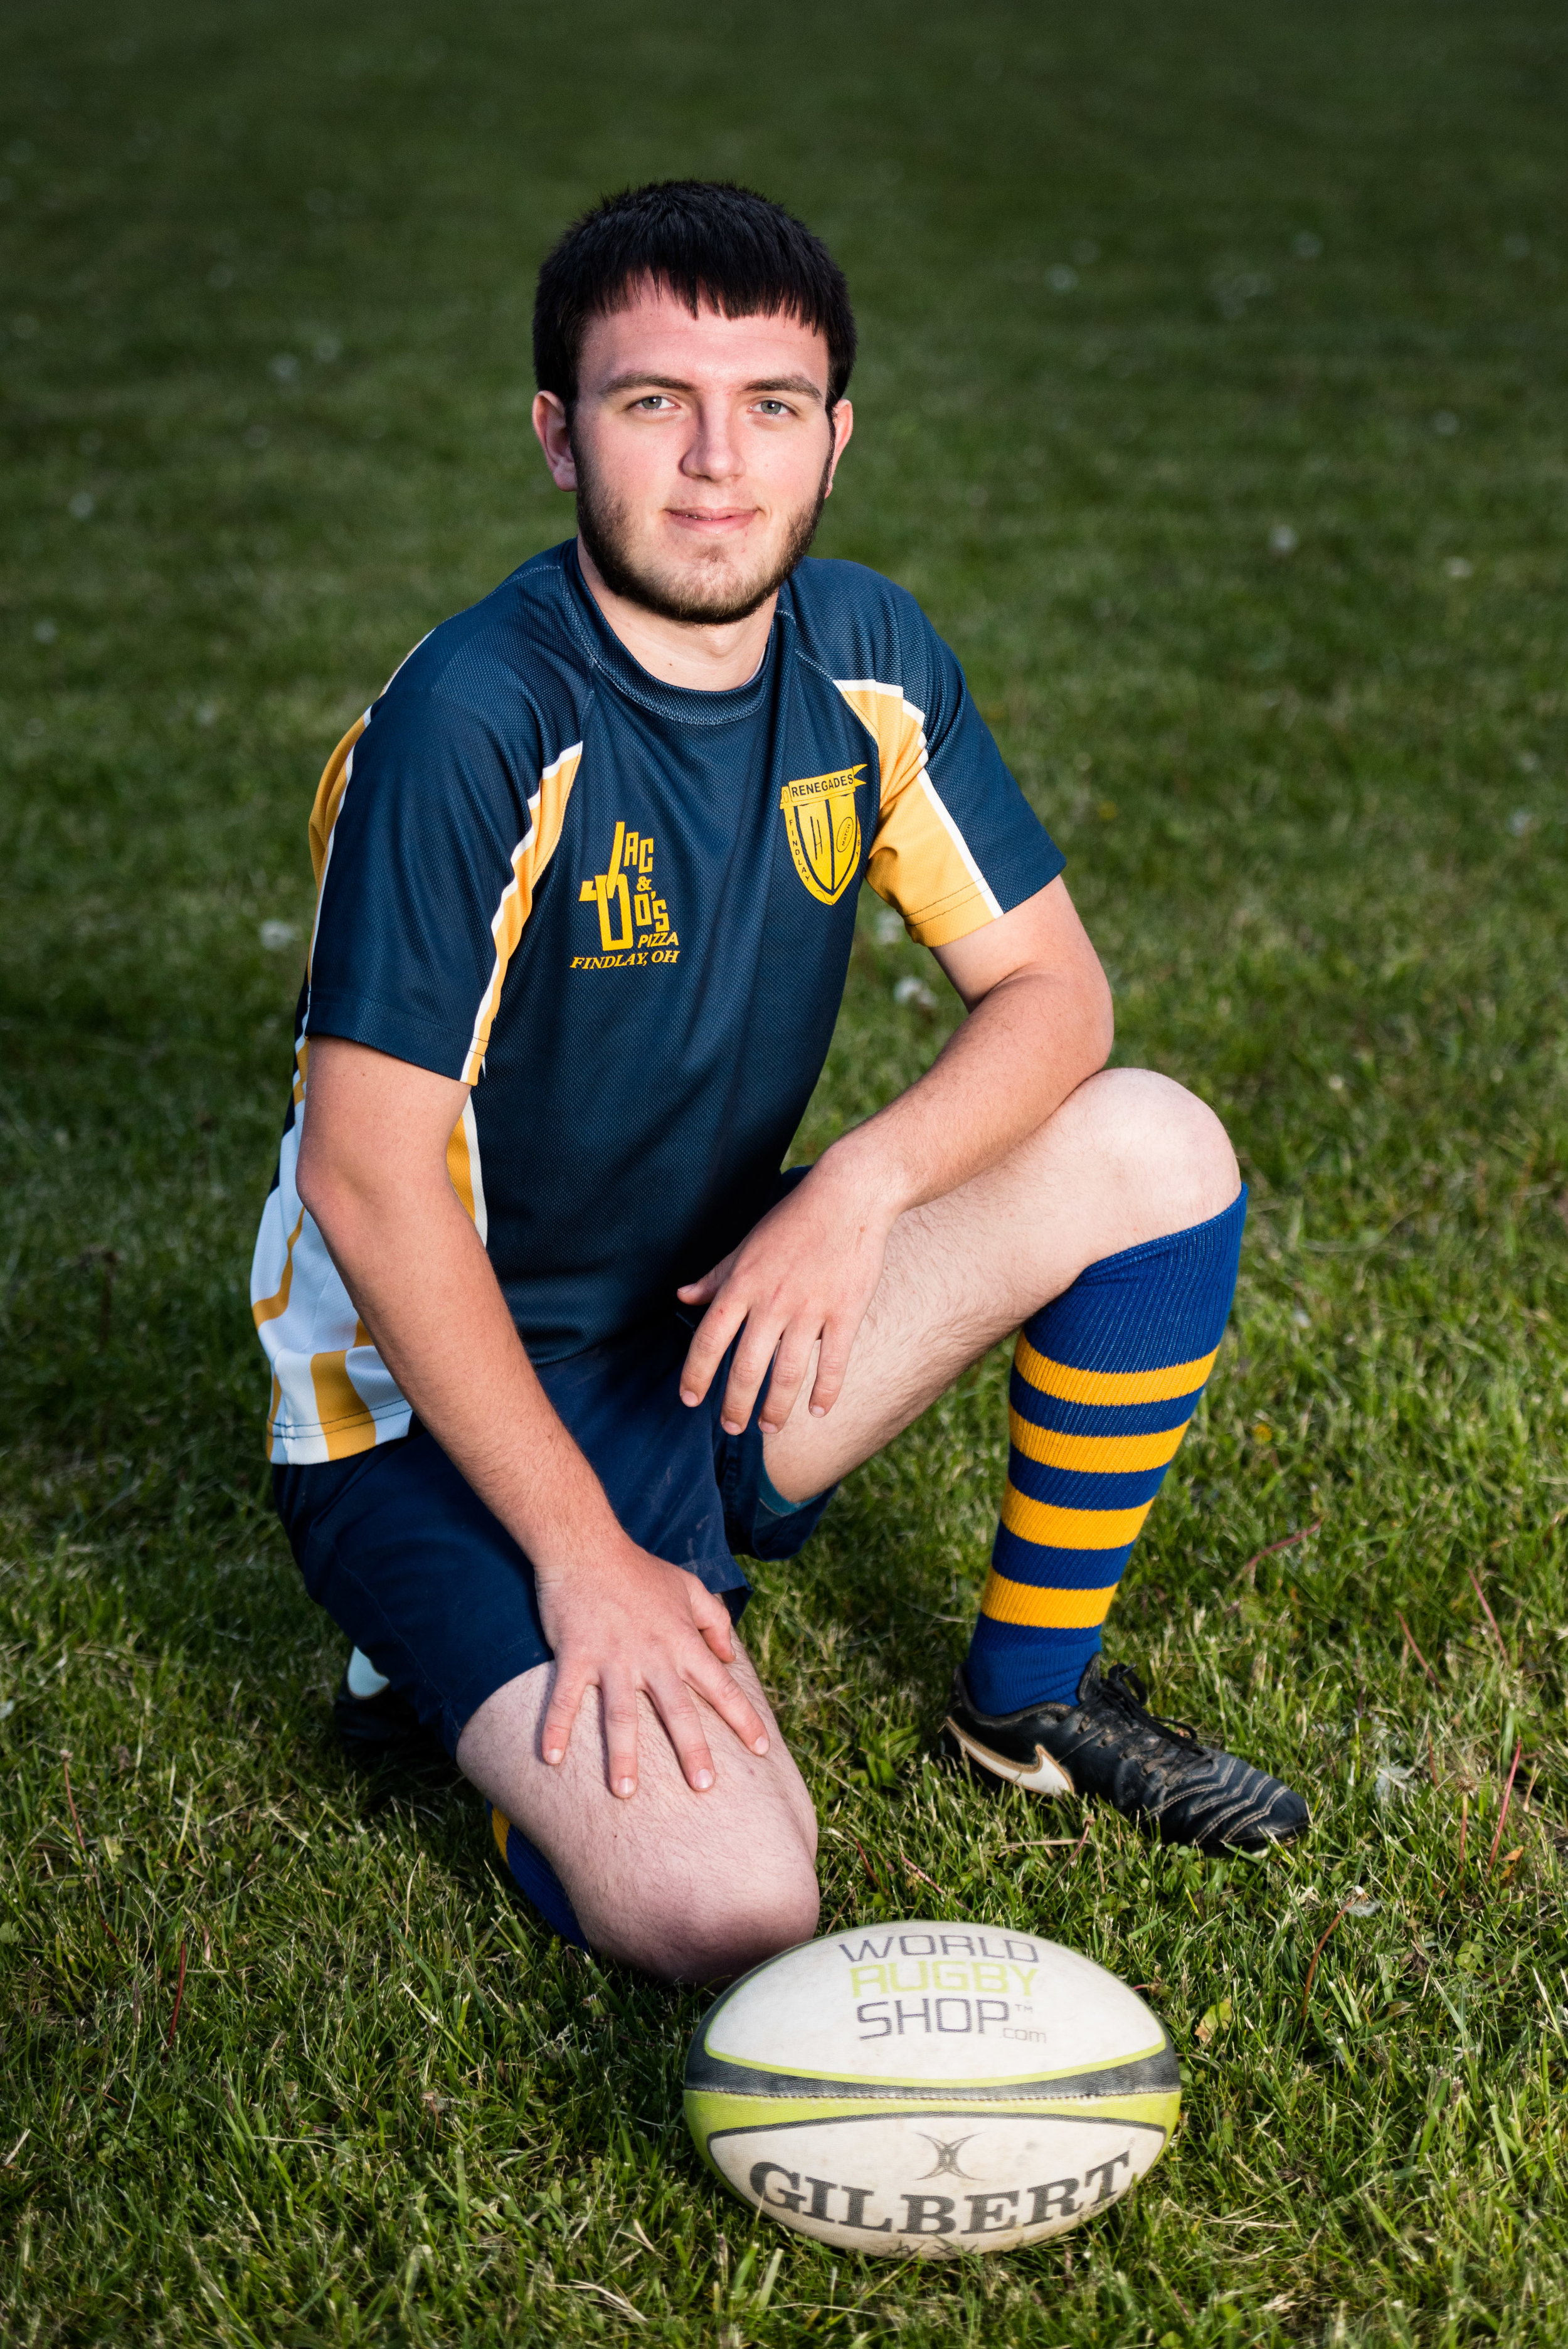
{"x": 553, "y": 1339}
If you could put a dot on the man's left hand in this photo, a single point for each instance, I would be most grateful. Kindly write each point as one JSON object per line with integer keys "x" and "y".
{"x": 807, "y": 1272}
{"x": 1038, "y": 1023}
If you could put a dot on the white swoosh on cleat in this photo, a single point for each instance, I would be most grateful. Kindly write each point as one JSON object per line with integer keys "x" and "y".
{"x": 1041, "y": 1776}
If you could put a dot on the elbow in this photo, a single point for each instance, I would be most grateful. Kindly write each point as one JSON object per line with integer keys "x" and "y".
{"x": 341, "y": 1211}
{"x": 354, "y": 1201}
{"x": 319, "y": 1202}
{"x": 310, "y": 1180}
{"x": 322, "y": 1192}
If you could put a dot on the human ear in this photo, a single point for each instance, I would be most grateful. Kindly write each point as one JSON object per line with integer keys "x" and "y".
{"x": 549, "y": 422}
{"x": 843, "y": 423}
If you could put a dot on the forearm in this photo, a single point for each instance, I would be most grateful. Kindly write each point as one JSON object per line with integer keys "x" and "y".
{"x": 424, "y": 1287}
{"x": 1027, "y": 1045}
{"x": 372, "y": 1172}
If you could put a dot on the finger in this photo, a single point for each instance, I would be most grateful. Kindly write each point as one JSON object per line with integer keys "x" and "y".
{"x": 561, "y": 1714}
{"x": 747, "y": 1372}
{"x": 791, "y": 1365}
{"x": 729, "y": 1699}
{"x": 699, "y": 1292}
{"x": 618, "y": 1696}
{"x": 709, "y": 1346}
{"x": 683, "y": 1727}
{"x": 832, "y": 1364}
{"x": 711, "y": 1617}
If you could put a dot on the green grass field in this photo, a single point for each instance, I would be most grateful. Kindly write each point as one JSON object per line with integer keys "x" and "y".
{"x": 1213, "y": 401}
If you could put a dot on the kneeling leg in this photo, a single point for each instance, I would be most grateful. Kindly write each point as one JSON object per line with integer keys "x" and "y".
{"x": 688, "y": 1887}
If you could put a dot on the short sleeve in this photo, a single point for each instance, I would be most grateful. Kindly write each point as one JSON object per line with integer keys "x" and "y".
{"x": 428, "y": 842}
{"x": 956, "y": 844}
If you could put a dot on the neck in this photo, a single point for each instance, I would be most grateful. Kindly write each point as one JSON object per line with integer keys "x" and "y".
{"x": 709, "y": 659}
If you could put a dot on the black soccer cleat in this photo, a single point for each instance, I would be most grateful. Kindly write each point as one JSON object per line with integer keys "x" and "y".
{"x": 1108, "y": 1742}
{"x": 377, "y": 1726}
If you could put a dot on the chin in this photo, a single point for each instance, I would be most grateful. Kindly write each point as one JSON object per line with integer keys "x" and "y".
{"x": 731, "y": 596}
{"x": 714, "y": 592}
{"x": 721, "y": 573}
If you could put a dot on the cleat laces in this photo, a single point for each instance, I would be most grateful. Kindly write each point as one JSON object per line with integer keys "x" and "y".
{"x": 1122, "y": 1685}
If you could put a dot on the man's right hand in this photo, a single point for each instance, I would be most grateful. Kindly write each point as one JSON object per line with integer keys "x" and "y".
{"x": 373, "y": 1173}
{"x": 638, "y": 1626}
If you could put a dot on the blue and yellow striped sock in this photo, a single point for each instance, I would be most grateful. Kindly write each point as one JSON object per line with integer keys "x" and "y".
{"x": 1104, "y": 1381}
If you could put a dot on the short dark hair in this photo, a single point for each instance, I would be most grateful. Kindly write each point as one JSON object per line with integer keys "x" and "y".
{"x": 705, "y": 241}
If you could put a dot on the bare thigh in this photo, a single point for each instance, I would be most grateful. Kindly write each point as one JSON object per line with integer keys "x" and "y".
{"x": 691, "y": 1886}
{"x": 1128, "y": 1157}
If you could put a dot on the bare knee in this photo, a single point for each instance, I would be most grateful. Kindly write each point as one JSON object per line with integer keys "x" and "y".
{"x": 687, "y": 1887}
{"x": 1162, "y": 1144}
{"x": 727, "y": 1936}
{"x": 687, "y": 1923}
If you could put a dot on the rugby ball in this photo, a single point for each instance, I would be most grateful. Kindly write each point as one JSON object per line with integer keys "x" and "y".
{"x": 930, "y": 2087}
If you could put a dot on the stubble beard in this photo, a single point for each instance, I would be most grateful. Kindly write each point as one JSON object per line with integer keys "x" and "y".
{"x": 606, "y": 524}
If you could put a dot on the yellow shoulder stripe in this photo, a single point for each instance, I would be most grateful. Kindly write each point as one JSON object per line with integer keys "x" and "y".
{"x": 920, "y": 860}
{"x": 899, "y": 729}
{"x": 547, "y": 813}
{"x": 329, "y": 797}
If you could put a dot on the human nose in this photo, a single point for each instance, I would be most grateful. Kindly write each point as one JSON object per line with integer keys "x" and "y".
{"x": 713, "y": 453}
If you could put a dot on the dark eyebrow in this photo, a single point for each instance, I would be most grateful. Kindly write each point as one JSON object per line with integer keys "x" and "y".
{"x": 631, "y": 381}
{"x": 788, "y": 383}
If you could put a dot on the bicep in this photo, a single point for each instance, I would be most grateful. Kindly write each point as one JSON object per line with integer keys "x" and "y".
{"x": 1043, "y": 934}
{"x": 371, "y": 1121}
{"x": 427, "y": 880}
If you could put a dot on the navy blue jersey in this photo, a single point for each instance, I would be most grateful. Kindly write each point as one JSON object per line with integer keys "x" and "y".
{"x": 621, "y": 911}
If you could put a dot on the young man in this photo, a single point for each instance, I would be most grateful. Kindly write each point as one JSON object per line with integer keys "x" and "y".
{"x": 551, "y": 1337}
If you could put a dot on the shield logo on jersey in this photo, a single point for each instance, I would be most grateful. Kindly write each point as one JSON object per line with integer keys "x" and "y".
{"x": 823, "y": 825}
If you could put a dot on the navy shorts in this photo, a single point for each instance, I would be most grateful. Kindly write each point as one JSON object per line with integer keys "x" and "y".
{"x": 414, "y": 1570}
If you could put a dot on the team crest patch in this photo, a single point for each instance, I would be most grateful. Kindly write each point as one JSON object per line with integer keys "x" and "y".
{"x": 823, "y": 823}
